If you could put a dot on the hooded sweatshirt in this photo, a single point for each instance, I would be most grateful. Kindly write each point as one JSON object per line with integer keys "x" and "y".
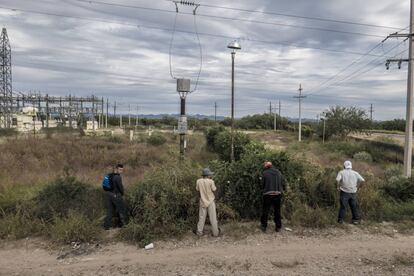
{"x": 272, "y": 181}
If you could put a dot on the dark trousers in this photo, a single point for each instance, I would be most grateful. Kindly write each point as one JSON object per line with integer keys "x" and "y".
{"x": 115, "y": 205}
{"x": 350, "y": 199}
{"x": 268, "y": 202}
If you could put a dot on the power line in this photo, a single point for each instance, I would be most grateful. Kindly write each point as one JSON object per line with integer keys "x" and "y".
{"x": 302, "y": 17}
{"x": 232, "y": 18}
{"x": 352, "y": 63}
{"x": 182, "y": 31}
{"x": 354, "y": 73}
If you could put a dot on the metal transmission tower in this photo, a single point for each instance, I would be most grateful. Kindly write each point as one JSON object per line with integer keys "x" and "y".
{"x": 371, "y": 110}
{"x": 408, "y": 147}
{"x": 5, "y": 80}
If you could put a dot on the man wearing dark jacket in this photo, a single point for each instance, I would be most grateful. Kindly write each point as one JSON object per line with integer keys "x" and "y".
{"x": 113, "y": 199}
{"x": 272, "y": 184}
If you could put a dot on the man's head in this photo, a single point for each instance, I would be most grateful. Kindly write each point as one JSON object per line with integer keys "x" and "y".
{"x": 119, "y": 168}
{"x": 267, "y": 164}
{"x": 347, "y": 164}
{"x": 207, "y": 173}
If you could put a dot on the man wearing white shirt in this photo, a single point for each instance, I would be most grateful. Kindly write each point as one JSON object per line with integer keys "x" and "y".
{"x": 348, "y": 183}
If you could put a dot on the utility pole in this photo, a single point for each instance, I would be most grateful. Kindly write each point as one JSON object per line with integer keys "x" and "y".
{"x": 47, "y": 111}
{"x": 102, "y": 112}
{"x": 215, "y": 112}
{"x": 137, "y": 118}
{"x": 107, "y": 113}
{"x": 115, "y": 109}
{"x": 371, "y": 110}
{"x": 270, "y": 108}
{"x": 183, "y": 88}
{"x": 323, "y": 132}
{"x": 300, "y": 97}
{"x": 408, "y": 146}
{"x": 280, "y": 108}
{"x": 129, "y": 115}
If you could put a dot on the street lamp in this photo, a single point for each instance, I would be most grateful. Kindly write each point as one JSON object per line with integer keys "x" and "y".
{"x": 234, "y": 46}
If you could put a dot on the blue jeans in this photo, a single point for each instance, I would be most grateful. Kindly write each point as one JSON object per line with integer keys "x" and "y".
{"x": 350, "y": 199}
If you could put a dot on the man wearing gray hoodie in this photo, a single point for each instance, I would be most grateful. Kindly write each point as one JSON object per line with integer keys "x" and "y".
{"x": 272, "y": 185}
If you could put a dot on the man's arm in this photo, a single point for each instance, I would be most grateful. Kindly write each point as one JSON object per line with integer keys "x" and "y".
{"x": 213, "y": 186}
{"x": 338, "y": 181}
{"x": 118, "y": 184}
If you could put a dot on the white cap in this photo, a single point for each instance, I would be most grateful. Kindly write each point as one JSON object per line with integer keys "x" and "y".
{"x": 347, "y": 164}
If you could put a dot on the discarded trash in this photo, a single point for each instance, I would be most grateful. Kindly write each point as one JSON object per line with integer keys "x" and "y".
{"x": 288, "y": 229}
{"x": 149, "y": 246}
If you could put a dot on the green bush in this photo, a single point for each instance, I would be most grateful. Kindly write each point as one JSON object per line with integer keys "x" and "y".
{"x": 399, "y": 189}
{"x": 239, "y": 182}
{"x": 19, "y": 224}
{"x": 75, "y": 227}
{"x": 222, "y": 145}
{"x": 156, "y": 139}
{"x": 165, "y": 203}
{"x": 211, "y": 135}
{"x": 363, "y": 156}
{"x": 68, "y": 194}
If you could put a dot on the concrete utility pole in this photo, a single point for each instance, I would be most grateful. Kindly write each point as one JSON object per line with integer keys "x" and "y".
{"x": 137, "y": 118}
{"x": 280, "y": 108}
{"x": 323, "y": 132}
{"x": 408, "y": 146}
{"x": 371, "y": 110}
{"x": 270, "y": 108}
{"x": 129, "y": 115}
{"x": 300, "y": 97}
{"x": 115, "y": 109}
{"x": 107, "y": 113}
{"x": 215, "y": 112}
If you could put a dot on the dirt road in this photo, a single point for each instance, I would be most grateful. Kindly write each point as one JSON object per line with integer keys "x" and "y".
{"x": 347, "y": 251}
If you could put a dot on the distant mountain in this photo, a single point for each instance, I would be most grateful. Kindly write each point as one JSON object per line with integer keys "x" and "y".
{"x": 197, "y": 116}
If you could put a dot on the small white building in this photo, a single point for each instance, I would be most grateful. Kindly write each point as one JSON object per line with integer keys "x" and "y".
{"x": 26, "y": 120}
{"x": 92, "y": 125}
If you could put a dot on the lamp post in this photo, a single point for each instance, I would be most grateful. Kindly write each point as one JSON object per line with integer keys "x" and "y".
{"x": 234, "y": 46}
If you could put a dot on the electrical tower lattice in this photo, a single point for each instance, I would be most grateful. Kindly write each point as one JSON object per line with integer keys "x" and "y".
{"x": 5, "y": 81}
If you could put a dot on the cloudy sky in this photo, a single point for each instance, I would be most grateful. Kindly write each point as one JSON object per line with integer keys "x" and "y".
{"x": 119, "y": 49}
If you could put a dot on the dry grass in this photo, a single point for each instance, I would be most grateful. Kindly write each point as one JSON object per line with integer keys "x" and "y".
{"x": 31, "y": 161}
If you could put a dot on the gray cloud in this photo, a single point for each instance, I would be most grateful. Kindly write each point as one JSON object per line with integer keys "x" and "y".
{"x": 129, "y": 62}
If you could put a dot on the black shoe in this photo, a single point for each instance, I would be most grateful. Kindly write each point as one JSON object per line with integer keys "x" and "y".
{"x": 278, "y": 229}
{"x": 263, "y": 228}
{"x": 340, "y": 221}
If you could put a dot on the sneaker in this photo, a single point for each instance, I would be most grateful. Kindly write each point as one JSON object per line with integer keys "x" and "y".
{"x": 196, "y": 233}
{"x": 340, "y": 221}
{"x": 355, "y": 222}
{"x": 278, "y": 229}
{"x": 263, "y": 228}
